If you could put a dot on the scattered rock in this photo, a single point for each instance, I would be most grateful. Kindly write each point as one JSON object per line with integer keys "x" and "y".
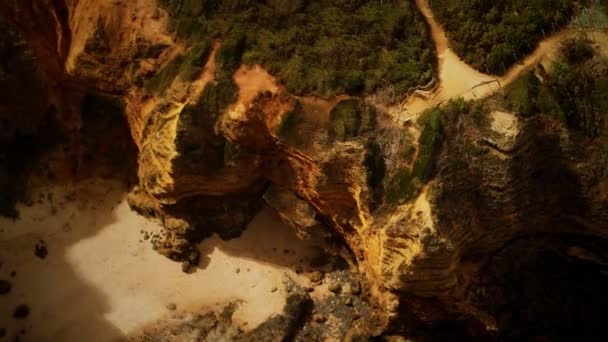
{"x": 319, "y": 318}
{"x": 348, "y": 301}
{"x": 5, "y": 287}
{"x": 146, "y": 236}
{"x": 334, "y": 287}
{"x": 355, "y": 288}
{"x": 186, "y": 266}
{"x": 21, "y": 311}
{"x": 298, "y": 269}
{"x": 238, "y": 270}
{"x": 309, "y": 289}
{"x": 315, "y": 276}
{"x": 40, "y": 249}
{"x": 274, "y": 289}
{"x": 171, "y": 306}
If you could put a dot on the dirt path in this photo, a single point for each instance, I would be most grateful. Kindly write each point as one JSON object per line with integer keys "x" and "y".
{"x": 253, "y": 80}
{"x": 458, "y": 79}
{"x": 101, "y": 280}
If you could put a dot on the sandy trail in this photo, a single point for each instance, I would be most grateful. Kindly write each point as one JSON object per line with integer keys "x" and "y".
{"x": 458, "y": 79}
{"x": 252, "y": 80}
{"x": 100, "y": 283}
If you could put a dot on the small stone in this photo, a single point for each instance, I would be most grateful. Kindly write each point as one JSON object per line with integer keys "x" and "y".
{"x": 298, "y": 269}
{"x": 274, "y": 289}
{"x": 21, "y": 311}
{"x": 40, "y": 249}
{"x": 238, "y": 270}
{"x": 355, "y": 288}
{"x": 309, "y": 289}
{"x": 356, "y": 316}
{"x": 334, "y": 287}
{"x": 186, "y": 266}
{"x": 171, "y": 306}
{"x": 5, "y": 287}
{"x": 315, "y": 276}
{"x": 146, "y": 236}
{"x": 319, "y": 318}
{"x": 348, "y": 301}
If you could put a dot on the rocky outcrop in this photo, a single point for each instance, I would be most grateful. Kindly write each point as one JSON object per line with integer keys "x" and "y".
{"x": 512, "y": 211}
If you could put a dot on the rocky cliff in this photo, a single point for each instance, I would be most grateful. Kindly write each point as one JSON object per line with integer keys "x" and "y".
{"x": 472, "y": 219}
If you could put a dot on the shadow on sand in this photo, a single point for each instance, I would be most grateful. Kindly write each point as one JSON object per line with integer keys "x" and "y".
{"x": 63, "y": 307}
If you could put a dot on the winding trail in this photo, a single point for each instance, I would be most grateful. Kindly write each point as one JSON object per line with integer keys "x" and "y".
{"x": 458, "y": 79}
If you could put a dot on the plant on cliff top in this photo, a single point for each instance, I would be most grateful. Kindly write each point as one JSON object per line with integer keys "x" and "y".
{"x": 317, "y": 47}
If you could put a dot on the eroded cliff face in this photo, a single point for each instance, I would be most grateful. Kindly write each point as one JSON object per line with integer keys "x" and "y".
{"x": 465, "y": 247}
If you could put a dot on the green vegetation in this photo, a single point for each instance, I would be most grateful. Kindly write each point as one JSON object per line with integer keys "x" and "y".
{"x": 402, "y": 187}
{"x": 429, "y": 143}
{"x": 492, "y": 35}
{"x": 574, "y": 90}
{"x": 199, "y": 147}
{"x": 351, "y": 118}
{"x": 315, "y": 47}
{"x": 476, "y": 109}
{"x": 289, "y": 127}
{"x": 405, "y": 184}
{"x": 187, "y": 67}
{"x": 376, "y": 170}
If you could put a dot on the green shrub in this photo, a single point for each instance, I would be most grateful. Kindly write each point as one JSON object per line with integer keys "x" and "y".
{"x": 376, "y": 169}
{"x": 429, "y": 143}
{"x": 573, "y": 90}
{"x": 288, "y": 129}
{"x": 351, "y": 118}
{"x": 187, "y": 67}
{"x": 195, "y": 61}
{"x": 521, "y": 95}
{"x": 402, "y": 187}
{"x": 405, "y": 184}
{"x": 165, "y": 76}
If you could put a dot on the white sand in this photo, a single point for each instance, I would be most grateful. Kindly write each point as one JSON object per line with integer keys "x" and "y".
{"x": 99, "y": 283}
